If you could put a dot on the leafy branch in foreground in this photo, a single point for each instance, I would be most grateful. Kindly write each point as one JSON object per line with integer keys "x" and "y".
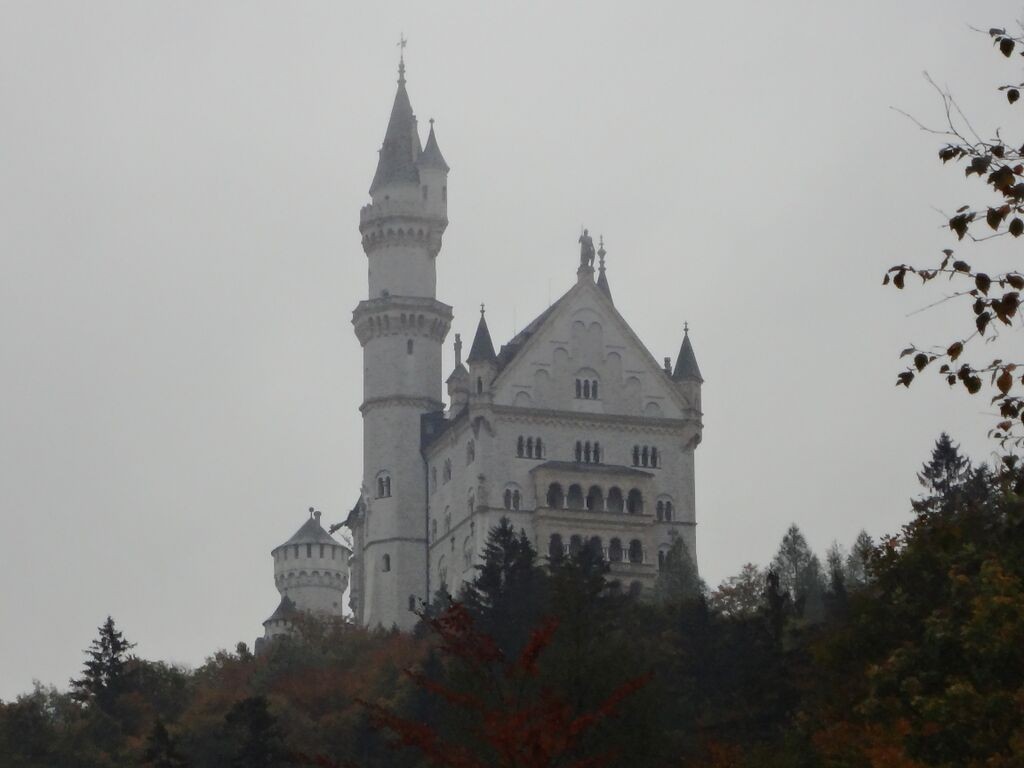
{"x": 994, "y": 298}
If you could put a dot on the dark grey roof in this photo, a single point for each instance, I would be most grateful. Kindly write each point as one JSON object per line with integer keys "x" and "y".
{"x": 311, "y": 533}
{"x": 686, "y": 362}
{"x": 459, "y": 372}
{"x": 601, "y": 469}
{"x": 483, "y": 348}
{"x": 602, "y": 283}
{"x": 285, "y": 610}
{"x": 401, "y": 148}
{"x": 509, "y": 351}
{"x": 432, "y": 157}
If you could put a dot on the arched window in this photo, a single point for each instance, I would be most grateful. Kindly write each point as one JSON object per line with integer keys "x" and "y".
{"x": 593, "y": 389}
{"x": 529, "y": 447}
{"x": 380, "y": 487}
{"x": 597, "y": 453}
{"x": 387, "y": 486}
{"x": 575, "y": 497}
{"x": 520, "y": 444}
{"x": 575, "y": 544}
{"x": 408, "y": 347}
{"x": 594, "y": 545}
{"x": 636, "y": 551}
{"x": 556, "y": 497}
{"x": 470, "y": 452}
{"x": 508, "y": 498}
{"x": 595, "y": 499}
{"x": 538, "y": 451}
{"x": 668, "y": 511}
{"x": 515, "y": 499}
{"x": 615, "y": 551}
{"x": 479, "y": 385}
{"x": 579, "y": 451}
{"x": 661, "y": 560}
{"x": 615, "y": 503}
{"x": 586, "y": 452}
{"x": 654, "y": 457}
{"x": 644, "y": 456}
{"x": 586, "y": 390}
{"x": 660, "y": 514}
{"x": 386, "y": 563}
{"x": 555, "y": 548}
{"x": 636, "y": 455}
{"x": 635, "y": 502}
{"x": 447, "y": 470}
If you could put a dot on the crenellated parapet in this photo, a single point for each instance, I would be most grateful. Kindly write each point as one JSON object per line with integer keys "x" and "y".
{"x": 401, "y": 315}
{"x": 399, "y": 223}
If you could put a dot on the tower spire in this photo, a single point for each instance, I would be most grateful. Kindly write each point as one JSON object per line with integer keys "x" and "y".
{"x": 602, "y": 278}
{"x": 401, "y": 58}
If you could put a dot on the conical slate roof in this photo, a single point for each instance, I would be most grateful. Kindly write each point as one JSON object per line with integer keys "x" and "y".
{"x": 401, "y": 148}
{"x": 311, "y": 533}
{"x": 432, "y": 157}
{"x": 483, "y": 348}
{"x": 285, "y": 610}
{"x": 602, "y": 283}
{"x": 686, "y": 362}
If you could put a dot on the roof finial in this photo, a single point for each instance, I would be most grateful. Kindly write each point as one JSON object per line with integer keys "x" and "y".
{"x": 686, "y": 328}
{"x": 600, "y": 250}
{"x": 458, "y": 349}
{"x": 401, "y": 58}
{"x": 481, "y": 309}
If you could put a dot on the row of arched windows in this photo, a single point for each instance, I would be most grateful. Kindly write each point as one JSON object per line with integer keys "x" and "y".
{"x": 281, "y": 553}
{"x": 595, "y": 499}
{"x": 587, "y": 453}
{"x": 529, "y": 448}
{"x": 586, "y": 389}
{"x": 616, "y": 553}
{"x": 645, "y": 456}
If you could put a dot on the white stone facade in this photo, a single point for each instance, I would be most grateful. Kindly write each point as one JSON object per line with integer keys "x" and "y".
{"x": 573, "y": 430}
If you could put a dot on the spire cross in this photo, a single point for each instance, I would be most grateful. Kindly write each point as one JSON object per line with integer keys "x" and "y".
{"x": 686, "y": 327}
{"x": 401, "y": 57}
{"x": 481, "y": 310}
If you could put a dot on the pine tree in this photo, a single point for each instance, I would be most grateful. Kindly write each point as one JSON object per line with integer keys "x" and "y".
{"x": 258, "y": 737}
{"x": 799, "y": 573}
{"x": 946, "y": 469}
{"x": 105, "y": 676}
{"x": 507, "y": 597}
{"x": 742, "y": 595}
{"x": 678, "y": 580}
{"x": 858, "y": 561}
{"x": 162, "y": 749}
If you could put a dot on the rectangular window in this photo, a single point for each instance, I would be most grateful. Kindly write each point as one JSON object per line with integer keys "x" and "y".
{"x": 296, "y": 551}
{"x": 309, "y": 550}
{"x": 321, "y": 550}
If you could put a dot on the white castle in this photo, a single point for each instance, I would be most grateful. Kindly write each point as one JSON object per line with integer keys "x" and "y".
{"x": 572, "y": 430}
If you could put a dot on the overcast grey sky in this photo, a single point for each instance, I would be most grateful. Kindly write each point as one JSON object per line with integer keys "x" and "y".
{"x": 179, "y": 196}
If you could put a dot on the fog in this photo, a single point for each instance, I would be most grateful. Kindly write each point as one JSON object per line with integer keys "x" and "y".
{"x": 179, "y": 259}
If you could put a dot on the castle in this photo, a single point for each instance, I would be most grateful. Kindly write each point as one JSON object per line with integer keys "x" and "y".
{"x": 572, "y": 429}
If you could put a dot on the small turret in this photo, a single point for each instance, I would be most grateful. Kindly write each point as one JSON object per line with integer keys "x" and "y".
{"x": 483, "y": 362}
{"x": 458, "y": 382}
{"x": 433, "y": 171}
{"x": 687, "y": 373}
{"x": 602, "y": 278}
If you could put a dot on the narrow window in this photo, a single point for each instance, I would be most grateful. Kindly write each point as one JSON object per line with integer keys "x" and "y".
{"x": 586, "y": 390}
{"x": 386, "y": 565}
{"x": 660, "y": 508}
{"x": 408, "y": 347}
{"x": 644, "y": 456}
{"x": 309, "y": 550}
{"x": 579, "y": 389}
{"x": 515, "y": 499}
{"x": 380, "y": 487}
{"x": 597, "y": 453}
{"x": 668, "y": 510}
{"x": 296, "y": 551}
{"x": 636, "y": 455}
{"x": 519, "y": 446}
{"x": 654, "y": 457}
{"x": 387, "y": 486}
{"x": 529, "y": 447}
{"x": 586, "y": 452}
{"x": 322, "y": 550}
{"x": 334, "y": 551}
{"x": 593, "y": 390}
{"x": 479, "y": 385}
{"x": 508, "y": 499}
{"x": 537, "y": 449}
{"x": 579, "y": 451}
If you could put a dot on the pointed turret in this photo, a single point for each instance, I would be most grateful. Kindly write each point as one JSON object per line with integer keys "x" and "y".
{"x": 686, "y": 363}
{"x": 482, "y": 350}
{"x": 432, "y": 157}
{"x": 401, "y": 148}
{"x": 458, "y": 382}
{"x": 602, "y": 278}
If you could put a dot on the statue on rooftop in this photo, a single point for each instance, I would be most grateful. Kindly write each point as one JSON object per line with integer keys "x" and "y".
{"x": 586, "y": 249}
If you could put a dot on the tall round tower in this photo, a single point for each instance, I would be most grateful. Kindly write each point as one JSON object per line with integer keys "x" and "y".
{"x": 311, "y": 573}
{"x": 401, "y": 327}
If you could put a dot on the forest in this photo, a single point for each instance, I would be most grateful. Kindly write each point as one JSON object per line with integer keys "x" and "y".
{"x": 908, "y": 651}
{"x": 897, "y": 653}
